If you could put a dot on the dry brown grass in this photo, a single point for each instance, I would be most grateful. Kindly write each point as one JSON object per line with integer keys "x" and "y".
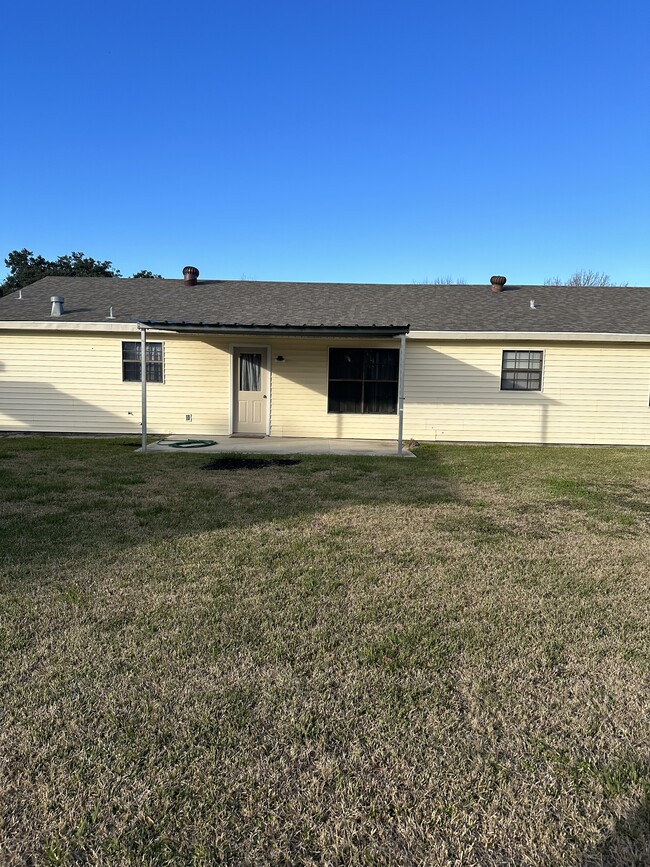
{"x": 347, "y": 661}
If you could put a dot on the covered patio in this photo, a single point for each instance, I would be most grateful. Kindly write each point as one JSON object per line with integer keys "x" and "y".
{"x": 250, "y": 379}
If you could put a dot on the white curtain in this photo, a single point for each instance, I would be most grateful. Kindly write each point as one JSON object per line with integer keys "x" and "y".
{"x": 250, "y": 371}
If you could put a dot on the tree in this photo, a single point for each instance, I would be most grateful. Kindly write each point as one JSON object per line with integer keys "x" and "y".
{"x": 141, "y": 275}
{"x": 584, "y": 278}
{"x": 25, "y": 268}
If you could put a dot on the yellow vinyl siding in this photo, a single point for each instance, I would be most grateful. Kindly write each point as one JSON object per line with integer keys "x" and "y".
{"x": 591, "y": 393}
{"x": 72, "y": 382}
{"x": 299, "y": 397}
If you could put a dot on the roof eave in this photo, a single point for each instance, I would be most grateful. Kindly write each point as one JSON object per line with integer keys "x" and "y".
{"x": 552, "y": 336}
{"x": 279, "y": 330}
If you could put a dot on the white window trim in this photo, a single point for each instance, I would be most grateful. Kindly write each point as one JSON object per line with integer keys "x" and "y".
{"x": 523, "y": 390}
{"x": 364, "y": 414}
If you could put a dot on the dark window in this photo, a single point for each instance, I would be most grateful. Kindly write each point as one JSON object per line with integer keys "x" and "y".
{"x": 521, "y": 371}
{"x": 131, "y": 361}
{"x": 363, "y": 380}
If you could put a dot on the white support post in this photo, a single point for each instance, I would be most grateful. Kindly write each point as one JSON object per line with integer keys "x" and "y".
{"x": 400, "y": 394}
{"x": 143, "y": 378}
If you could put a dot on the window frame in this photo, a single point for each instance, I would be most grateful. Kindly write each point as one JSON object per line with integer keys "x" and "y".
{"x": 138, "y": 361}
{"x": 363, "y": 381}
{"x": 528, "y": 370}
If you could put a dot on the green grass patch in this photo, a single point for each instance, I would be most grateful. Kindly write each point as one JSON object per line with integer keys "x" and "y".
{"x": 341, "y": 661}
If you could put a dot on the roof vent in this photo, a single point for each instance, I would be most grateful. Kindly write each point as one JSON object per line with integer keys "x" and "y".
{"x": 57, "y": 305}
{"x": 190, "y": 275}
{"x": 497, "y": 283}
{"x": 533, "y": 306}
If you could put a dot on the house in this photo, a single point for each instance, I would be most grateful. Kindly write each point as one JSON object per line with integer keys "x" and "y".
{"x": 490, "y": 363}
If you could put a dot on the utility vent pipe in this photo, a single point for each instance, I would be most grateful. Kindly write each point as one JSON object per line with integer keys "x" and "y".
{"x": 532, "y": 304}
{"x": 190, "y": 275}
{"x": 20, "y": 294}
{"x": 57, "y": 305}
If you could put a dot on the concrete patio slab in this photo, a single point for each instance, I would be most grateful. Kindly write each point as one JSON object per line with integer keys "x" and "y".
{"x": 285, "y": 446}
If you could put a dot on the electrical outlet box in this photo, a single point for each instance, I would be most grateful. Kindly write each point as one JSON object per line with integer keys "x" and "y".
{"x": 188, "y": 417}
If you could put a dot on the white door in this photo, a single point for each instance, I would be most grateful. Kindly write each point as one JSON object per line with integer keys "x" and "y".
{"x": 251, "y": 388}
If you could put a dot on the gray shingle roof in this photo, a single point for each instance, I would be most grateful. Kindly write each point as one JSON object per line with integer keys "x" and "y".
{"x": 425, "y": 307}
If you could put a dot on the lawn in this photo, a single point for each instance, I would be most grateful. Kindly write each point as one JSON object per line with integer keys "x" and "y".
{"x": 441, "y": 661}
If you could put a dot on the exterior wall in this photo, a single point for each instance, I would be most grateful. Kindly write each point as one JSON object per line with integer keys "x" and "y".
{"x": 591, "y": 394}
{"x": 58, "y": 381}
{"x": 72, "y": 382}
{"x": 299, "y": 394}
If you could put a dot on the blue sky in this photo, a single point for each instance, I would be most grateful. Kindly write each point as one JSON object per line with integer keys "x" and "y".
{"x": 340, "y": 141}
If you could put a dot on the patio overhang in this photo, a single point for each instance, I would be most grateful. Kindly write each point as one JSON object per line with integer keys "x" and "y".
{"x": 287, "y": 330}
{"x": 368, "y": 332}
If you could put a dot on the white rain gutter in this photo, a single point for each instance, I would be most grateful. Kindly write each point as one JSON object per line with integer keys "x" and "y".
{"x": 7, "y": 325}
{"x": 537, "y": 336}
{"x": 555, "y": 336}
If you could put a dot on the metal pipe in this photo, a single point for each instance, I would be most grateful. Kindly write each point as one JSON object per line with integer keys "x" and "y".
{"x": 400, "y": 394}
{"x": 143, "y": 379}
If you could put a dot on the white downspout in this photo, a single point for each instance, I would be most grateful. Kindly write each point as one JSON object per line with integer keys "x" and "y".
{"x": 143, "y": 379}
{"x": 400, "y": 394}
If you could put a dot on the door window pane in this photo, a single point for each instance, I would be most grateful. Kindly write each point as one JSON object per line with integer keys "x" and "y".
{"x": 250, "y": 371}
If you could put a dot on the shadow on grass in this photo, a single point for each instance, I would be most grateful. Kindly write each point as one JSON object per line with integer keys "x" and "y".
{"x": 64, "y": 498}
{"x": 67, "y": 498}
{"x": 628, "y": 845}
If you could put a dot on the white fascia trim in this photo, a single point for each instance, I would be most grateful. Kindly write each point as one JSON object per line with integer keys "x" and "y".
{"x": 6, "y": 325}
{"x": 535, "y": 336}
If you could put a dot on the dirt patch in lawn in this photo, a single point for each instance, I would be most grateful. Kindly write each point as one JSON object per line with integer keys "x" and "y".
{"x": 249, "y": 463}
